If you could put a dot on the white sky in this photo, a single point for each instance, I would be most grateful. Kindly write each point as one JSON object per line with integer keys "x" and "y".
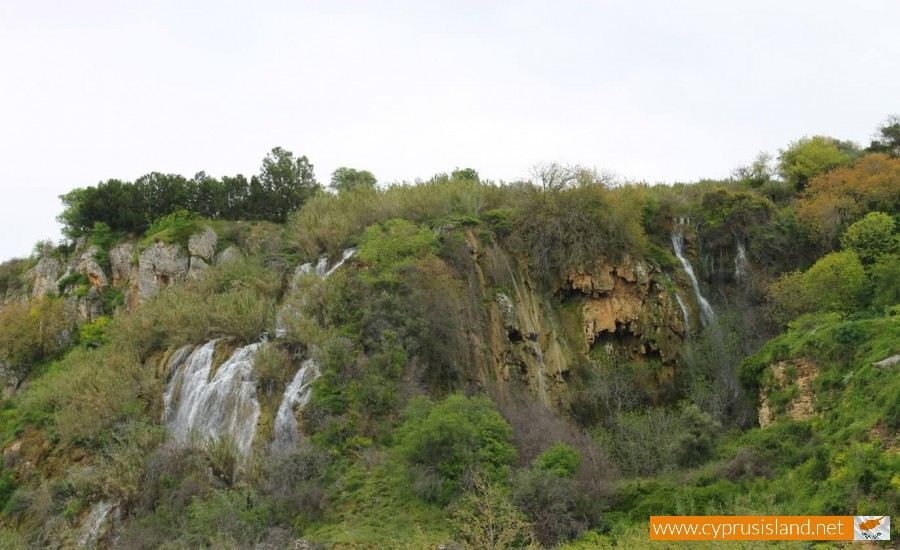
{"x": 652, "y": 90}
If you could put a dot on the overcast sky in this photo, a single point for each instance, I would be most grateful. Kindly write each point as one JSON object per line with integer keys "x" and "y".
{"x": 652, "y": 90}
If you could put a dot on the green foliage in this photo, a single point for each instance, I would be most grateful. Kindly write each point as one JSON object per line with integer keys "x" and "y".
{"x": 283, "y": 185}
{"x": 560, "y": 460}
{"x": 871, "y": 237}
{"x": 807, "y": 157}
{"x": 11, "y": 272}
{"x": 836, "y": 282}
{"x": 176, "y": 227}
{"x": 559, "y": 230}
{"x": 93, "y": 335}
{"x": 886, "y": 282}
{"x": 487, "y": 518}
{"x": 888, "y": 141}
{"x": 456, "y": 436}
{"x": 391, "y": 248}
{"x": 344, "y": 179}
{"x": 32, "y": 332}
{"x": 76, "y": 279}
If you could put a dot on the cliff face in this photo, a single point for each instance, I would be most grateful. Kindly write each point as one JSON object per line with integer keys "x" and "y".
{"x": 629, "y": 304}
{"x": 789, "y": 392}
{"x": 536, "y": 337}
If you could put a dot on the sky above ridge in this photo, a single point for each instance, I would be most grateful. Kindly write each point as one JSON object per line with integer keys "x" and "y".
{"x": 657, "y": 91}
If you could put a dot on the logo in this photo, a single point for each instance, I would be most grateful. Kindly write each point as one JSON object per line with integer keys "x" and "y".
{"x": 871, "y": 527}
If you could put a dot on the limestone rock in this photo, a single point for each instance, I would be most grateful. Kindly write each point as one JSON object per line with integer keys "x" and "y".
{"x": 800, "y": 372}
{"x": 624, "y": 301}
{"x": 229, "y": 254}
{"x": 889, "y": 362}
{"x": 509, "y": 317}
{"x": 87, "y": 264}
{"x": 198, "y": 268}
{"x": 120, "y": 263}
{"x": 160, "y": 266}
{"x": 90, "y": 306}
{"x": 44, "y": 275}
{"x": 203, "y": 244}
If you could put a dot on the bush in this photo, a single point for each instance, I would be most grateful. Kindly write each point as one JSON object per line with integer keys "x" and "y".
{"x": 33, "y": 332}
{"x": 487, "y": 518}
{"x": 560, "y": 460}
{"x": 456, "y": 436}
{"x": 557, "y": 510}
{"x": 871, "y": 237}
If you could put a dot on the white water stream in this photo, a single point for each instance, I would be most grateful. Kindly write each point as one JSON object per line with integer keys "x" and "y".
{"x": 707, "y": 315}
{"x": 225, "y": 405}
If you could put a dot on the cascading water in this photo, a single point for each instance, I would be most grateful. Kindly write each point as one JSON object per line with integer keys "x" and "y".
{"x": 707, "y": 315}
{"x": 685, "y": 314}
{"x": 297, "y": 394}
{"x": 741, "y": 263}
{"x": 225, "y": 405}
{"x": 299, "y": 391}
{"x": 89, "y": 535}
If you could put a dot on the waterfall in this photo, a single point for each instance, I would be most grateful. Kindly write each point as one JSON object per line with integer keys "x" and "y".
{"x": 685, "y": 314}
{"x": 707, "y": 315}
{"x": 225, "y": 405}
{"x": 741, "y": 263}
{"x": 90, "y": 529}
{"x": 297, "y": 394}
{"x": 346, "y": 255}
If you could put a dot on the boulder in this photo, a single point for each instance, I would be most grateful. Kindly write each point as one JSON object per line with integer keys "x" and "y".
{"x": 198, "y": 268}
{"x": 509, "y": 317}
{"x": 160, "y": 266}
{"x": 229, "y": 254}
{"x": 44, "y": 276}
{"x": 203, "y": 244}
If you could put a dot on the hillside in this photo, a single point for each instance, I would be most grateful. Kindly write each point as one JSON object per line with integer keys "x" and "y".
{"x": 248, "y": 363}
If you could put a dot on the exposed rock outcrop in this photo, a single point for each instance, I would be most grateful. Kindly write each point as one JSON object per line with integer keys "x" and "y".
{"x": 125, "y": 272}
{"x": 628, "y": 303}
{"x": 203, "y": 244}
{"x": 509, "y": 317}
{"x": 44, "y": 275}
{"x": 87, "y": 264}
{"x": 160, "y": 266}
{"x": 889, "y": 362}
{"x": 796, "y": 377}
{"x": 229, "y": 254}
{"x": 198, "y": 268}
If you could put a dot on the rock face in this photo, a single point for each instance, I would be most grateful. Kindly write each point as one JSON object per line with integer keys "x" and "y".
{"x": 160, "y": 266}
{"x": 509, "y": 317}
{"x": 229, "y": 254}
{"x": 87, "y": 264}
{"x": 203, "y": 244}
{"x": 796, "y": 377}
{"x": 626, "y": 303}
{"x": 44, "y": 275}
{"x": 198, "y": 268}
{"x": 125, "y": 272}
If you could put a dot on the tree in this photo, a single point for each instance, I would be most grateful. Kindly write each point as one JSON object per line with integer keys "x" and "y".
{"x": 837, "y": 198}
{"x": 344, "y": 179}
{"x": 561, "y": 460}
{"x": 457, "y": 436}
{"x": 807, "y": 157}
{"x": 758, "y": 173}
{"x": 888, "y": 140}
{"x": 487, "y": 518}
{"x": 871, "y": 237}
{"x": 469, "y": 174}
{"x": 836, "y": 282}
{"x": 287, "y": 182}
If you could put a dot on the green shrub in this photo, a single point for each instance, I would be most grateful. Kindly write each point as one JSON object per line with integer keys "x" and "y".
{"x": 871, "y": 237}
{"x": 392, "y": 247}
{"x": 561, "y": 460}
{"x": 456, "y": 436}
